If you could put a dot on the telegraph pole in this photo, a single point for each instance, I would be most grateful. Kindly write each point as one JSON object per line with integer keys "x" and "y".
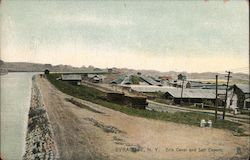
{"x": 182, "y": 89}
{"x": 216, "y": 97}
{"x": 228, "y": 77}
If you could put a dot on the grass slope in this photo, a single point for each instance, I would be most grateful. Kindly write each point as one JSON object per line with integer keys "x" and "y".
{"x": 98, "y": 97}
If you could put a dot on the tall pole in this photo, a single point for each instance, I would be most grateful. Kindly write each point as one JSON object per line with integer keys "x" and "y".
{"x": 224, "y": 109}
{"x": 216, "y": 97}
{"x": 182, "y": 89}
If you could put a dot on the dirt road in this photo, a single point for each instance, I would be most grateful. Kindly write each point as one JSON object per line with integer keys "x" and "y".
{"x": 90, "y": 131}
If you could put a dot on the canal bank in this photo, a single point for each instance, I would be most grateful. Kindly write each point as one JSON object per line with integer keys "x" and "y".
{"x": 39, "y": 137}
{"x": 14, "y": 106}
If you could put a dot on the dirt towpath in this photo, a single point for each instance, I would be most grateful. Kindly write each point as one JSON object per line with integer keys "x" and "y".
{"x": 84, "y": 130}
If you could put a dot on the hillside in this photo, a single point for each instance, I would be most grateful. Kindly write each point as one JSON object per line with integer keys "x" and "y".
{"x": 36, "y": 67}
{"x": 237, "y": 77}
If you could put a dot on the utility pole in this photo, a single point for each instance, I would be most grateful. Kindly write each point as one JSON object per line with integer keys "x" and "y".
{"x": 182, "y": 89}
{"x": 216, "y": 97}
{"x": 228, "y": 77}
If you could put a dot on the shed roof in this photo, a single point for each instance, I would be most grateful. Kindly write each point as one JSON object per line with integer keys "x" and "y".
{"x": 71, "y": 77}
{"x": 176, "y": 92}
{"x": 197, "y": 84}
{"x": 188, "y": 93}
{"x": 126, "y": 80}
{"x": 243, "y": 87}
{"x": 149, "y": 80}
{"x": 118, "y": 80}
{"x": 147, "y": 88}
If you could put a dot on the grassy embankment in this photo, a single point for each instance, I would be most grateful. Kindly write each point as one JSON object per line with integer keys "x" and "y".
{"x": 98, "y": 97}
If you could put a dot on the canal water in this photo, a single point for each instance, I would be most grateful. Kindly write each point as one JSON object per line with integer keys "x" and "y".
{"x": 15, "y": 103}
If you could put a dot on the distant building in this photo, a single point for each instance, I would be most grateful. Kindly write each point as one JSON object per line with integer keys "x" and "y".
{"x": 157, "y": 79}
{"x": 194, "y": 84}
{"x": 213, "y": 86}
{"x": 200, "y": 85}
{"x": 96, "y": 79}
{"x": 73, "y": 78}
{"x": 150, "y": 81}
{"x": 246, "y": 103}
{"x": 126, "y": 81}
{"x": 176, "y": 83}
{"x": 139, "y": 102}
{"x": 188, "y": 85}
{"x": 3, "y": 71}
{"x": 238, "y": 97}
{"x": 166, "y": 78}
{"x": 243, "y": 95}
{"x": 190, "y": 96}
{"x": 119, "y": 80}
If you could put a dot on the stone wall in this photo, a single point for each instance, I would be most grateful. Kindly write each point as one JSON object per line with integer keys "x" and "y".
{"x": 39, "y": 137}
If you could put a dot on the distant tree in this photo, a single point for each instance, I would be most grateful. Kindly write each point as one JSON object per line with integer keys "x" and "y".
{"x": 135, "y": 79}
{"x": 83, "y": 67}
{"x": 48, "y": 66}
{"x": 182, "y": 77}
{"x": 91, "y": 67}
{"x": 97, "y": 69}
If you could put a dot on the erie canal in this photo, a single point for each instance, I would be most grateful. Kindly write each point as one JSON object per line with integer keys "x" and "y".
{"x": 15, "y": 103}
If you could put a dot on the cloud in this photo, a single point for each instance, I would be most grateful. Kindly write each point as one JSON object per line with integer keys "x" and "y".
{"x": 162, "y": 36}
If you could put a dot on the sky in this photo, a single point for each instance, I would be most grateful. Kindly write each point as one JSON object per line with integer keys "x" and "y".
{"x": 192, "y": 36}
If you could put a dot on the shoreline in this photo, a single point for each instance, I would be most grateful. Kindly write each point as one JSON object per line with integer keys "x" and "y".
{"x": 40, "y": 136}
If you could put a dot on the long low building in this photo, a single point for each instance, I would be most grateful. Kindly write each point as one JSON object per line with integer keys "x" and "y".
{"x": 188, "y": 95}
{"x": 191, "y": 95}
{"x": 151, "y": 89}
{"x": 71, "y": 77}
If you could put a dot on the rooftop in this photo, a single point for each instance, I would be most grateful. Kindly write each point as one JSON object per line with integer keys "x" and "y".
{"x": 149, "y": 80}
{"x": 71, "y": 77}
{"x": 243, "y": 87}
{"x": 176, "y": 92}
{"x": 192, "y": 93}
